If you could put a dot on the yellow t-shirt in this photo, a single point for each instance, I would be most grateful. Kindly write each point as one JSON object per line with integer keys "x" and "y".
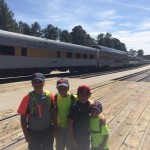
{"x": 98, "y": 132}
{"x": 63, "y": 109}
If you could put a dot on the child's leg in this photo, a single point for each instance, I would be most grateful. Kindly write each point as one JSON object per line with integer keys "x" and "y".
{"x": 60, "y": 141}
{"x": 83, "y": 141}
{"x": 67, "y": 140}
{"x": 47, "y": 139}
{"x": 36, "y": 143}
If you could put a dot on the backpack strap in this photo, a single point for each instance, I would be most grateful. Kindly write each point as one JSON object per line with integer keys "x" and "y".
{"x": 55, "y": 100}
{"x": 33, "y": 99}
{"x": 72, "y": 100}
{"x": 48, "y": 98}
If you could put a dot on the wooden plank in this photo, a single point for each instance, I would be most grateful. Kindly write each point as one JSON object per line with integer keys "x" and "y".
{"x": 21, "y": 146}
{"x": 117, "y": 121}
{"x": 109, "y": 91}
{"x": 137, "y": 133}
{"x": 145, "y": 143}
{"x": 121, "y": 129}
{"x": 115, "y": 106}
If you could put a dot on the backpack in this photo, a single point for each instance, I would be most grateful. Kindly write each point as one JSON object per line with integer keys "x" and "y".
{"x": 49, "y": 97}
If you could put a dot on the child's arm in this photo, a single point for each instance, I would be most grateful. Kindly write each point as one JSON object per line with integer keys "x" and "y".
{"x": 24, "y": 128}
{"x": 103, "y": 120}
{"x": 70, "y": 129}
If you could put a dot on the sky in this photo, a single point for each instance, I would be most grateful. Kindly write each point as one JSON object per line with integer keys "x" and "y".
{"x": 127, "y": 20}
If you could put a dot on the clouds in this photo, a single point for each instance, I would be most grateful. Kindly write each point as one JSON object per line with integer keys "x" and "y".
{"x": 141, "y": 5}
{"x": 145, "y": 25}
{"x": 135, "y": 40}
{"x": 126, "y": 20}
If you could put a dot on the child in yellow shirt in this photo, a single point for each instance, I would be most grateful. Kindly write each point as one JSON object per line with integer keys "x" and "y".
{"x": 99, "y": 131}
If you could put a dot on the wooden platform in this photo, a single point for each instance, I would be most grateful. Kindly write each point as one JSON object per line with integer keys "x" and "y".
{"x": 128, "y": 116}
{"x": 126, "y": 106}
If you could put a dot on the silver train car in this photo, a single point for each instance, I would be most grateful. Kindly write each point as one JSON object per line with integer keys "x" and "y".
{"x": 111, "y": 58}
{"x": 29, "y": 54}
{"x": 26, "y": 54}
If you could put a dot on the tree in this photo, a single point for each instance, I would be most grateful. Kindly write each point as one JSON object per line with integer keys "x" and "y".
{"x": 6, "y": 18}
{"x": 36, "y": 29}
{"x": 65, "y": 36}
{"x": 122, "y": 47}
{"x": 80, "y": 37}
{"x": 51, "y": 32}
{"x": 116, "y": 43}
{"x": 89, "y": 40}
{"x": 108, "y": 35}
{"x": 100, "y": 39}
{"x": 105, "y": 40}
{"x": 140, "y": 53}
{"x": 24, "y": 28}
{"x": 133, "y": 52}
{"x": 108, "y": 41}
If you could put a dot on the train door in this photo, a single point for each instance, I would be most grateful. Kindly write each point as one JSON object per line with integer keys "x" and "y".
{"x": 97, "y": 58}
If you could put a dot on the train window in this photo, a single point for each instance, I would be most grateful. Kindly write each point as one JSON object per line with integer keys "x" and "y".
{"x": 58, "y": 54}
{"x": 78, "y": 55}
{"x": 118, "y": 61}
{"x": 69, "y": 55}
{"x": 91, "y": 56}
{"x": 85, "y": 56}
{"x": 23, "y": 51}
{"x": 7, "y": 50}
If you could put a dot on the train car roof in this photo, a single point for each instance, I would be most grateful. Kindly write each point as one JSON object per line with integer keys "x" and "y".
{"x": 110, "y": 50}
{"x": 103, "y": 48}
{"x": 31, "y": 41}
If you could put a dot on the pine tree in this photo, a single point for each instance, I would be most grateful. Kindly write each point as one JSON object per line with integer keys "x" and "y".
{"x": 7, "y": 22}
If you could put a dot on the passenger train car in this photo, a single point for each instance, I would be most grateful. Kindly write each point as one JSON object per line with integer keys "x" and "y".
{"x": 26, "y": 54}
{"x": 111, "y": 58}
{"x": 29, "y": 54}
{"x": 133, "y": 60}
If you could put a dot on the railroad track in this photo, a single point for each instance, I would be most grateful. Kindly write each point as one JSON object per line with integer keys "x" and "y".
{"x": 135, "y": 75}
{"x": 65, "y": 74}
{"x": 98, "y": 86}
{"x": 105, "y": 95}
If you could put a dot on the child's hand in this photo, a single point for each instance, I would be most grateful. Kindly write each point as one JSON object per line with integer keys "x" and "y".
{"x": 103, "y": 120}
